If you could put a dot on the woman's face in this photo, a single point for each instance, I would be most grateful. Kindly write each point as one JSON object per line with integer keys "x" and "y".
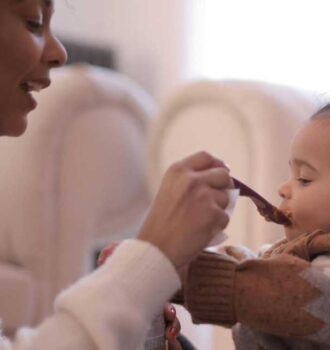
{"x": 28, "y": 52}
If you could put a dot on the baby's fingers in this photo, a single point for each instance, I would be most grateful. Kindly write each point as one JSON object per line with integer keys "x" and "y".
{"x": 107, "y": 251}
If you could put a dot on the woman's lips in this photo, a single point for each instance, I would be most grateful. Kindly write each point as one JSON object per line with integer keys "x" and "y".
{"x": 30, "y": 100}
{"x": 36, "y": 84}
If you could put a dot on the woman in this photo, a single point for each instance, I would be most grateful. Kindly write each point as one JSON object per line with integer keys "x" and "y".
{"x": 112, "y": 308}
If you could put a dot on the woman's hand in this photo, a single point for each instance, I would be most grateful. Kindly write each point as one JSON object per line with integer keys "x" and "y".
{"x": 173, "y": 327}
{"x": 189, "y": 208}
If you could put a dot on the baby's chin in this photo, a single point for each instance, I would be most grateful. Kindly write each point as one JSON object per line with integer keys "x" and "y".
{"x": 294, "y": 232}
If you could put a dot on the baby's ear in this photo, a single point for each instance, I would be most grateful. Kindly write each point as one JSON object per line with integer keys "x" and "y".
{"x": 240, "y": 253}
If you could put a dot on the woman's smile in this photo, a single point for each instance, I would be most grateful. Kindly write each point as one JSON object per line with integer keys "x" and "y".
{"x": 30, "y": 86}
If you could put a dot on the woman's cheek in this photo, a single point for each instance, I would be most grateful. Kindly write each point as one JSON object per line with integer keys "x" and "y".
{"x": 29, "y": 56}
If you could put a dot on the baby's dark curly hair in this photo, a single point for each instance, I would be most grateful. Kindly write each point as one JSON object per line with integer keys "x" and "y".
{"x": 320, "y": 112}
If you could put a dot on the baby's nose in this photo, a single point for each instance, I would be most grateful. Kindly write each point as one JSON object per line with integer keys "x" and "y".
{"x": 284, "y": 190}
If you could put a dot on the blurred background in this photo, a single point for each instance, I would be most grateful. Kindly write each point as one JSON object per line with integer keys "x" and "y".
{"x": 162, "y": 43}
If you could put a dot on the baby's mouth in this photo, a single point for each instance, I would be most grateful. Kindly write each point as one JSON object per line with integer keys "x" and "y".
{"x": 289, "y": 217}
{"x": 276, "y": 215}
{"x": 266, "y": 209}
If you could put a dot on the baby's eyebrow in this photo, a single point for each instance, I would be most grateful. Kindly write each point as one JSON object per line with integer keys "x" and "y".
{"x": 301, "y": 162}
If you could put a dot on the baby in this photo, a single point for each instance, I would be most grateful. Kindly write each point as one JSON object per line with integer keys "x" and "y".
{"x": 280, "y": 299}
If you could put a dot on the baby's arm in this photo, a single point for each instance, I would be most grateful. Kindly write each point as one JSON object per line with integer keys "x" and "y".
{"x": 284, "y": 295}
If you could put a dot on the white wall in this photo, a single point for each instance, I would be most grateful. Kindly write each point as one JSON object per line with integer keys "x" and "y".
{"x": 147, "y": 36}
{"x": 278, "y": 41}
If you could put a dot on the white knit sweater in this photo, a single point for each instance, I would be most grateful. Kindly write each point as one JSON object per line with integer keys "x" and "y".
{"x": 109, "y": 309}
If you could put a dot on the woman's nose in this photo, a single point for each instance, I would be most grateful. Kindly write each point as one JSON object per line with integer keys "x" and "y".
{"x": 54, "y": 53}
{"x": 284, "y": 190}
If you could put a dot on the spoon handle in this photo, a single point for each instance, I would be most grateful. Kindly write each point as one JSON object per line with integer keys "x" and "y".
{"x": 267, "y": 210}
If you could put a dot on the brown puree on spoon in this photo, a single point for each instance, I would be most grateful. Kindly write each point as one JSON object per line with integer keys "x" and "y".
{"x": 267, "y": 210}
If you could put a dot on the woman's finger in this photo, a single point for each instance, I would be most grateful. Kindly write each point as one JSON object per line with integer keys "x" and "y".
{"x": 169, "y": 312}
{"x": 217, "y": 178}
{"x": 174, "y": 345}
{"x": 221, "y": 198}
{"x": 171, "y": 332}
{"x": 172, "y": 329}
{"x": 201, "y": 161}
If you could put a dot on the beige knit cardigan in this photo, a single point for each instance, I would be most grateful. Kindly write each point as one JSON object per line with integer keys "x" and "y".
{"x": 276, "y": 301}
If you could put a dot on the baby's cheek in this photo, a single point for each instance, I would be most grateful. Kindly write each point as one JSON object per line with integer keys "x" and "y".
{"x": 305, "y": 219}
{"x": 313, "y": 220}
{"x": 323, "y": 222}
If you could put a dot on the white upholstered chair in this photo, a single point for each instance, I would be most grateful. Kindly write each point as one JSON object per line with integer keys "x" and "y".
{"x": 247, "y": 124}
{"x": 74, "y": 181}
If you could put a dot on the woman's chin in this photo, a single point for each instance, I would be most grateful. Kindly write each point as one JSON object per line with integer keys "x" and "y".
{"x": 14, "y": 127}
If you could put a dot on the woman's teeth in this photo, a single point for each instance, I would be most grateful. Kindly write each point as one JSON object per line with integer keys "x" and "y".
{"x": 29, "y": 86}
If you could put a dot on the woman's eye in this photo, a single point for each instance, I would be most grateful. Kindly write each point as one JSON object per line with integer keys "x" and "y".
{"x": 35, "y": 26}
{"x": 304, "y": 181}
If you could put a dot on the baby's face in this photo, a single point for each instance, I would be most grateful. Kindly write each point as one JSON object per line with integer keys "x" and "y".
{"x": 306, "y": 194}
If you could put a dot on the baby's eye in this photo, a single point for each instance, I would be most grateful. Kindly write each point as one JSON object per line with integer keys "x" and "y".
{"x": 35, "y": 26}
{"x": 303, "y": 181}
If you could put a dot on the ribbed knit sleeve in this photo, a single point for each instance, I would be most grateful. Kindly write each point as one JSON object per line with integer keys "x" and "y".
{"x": 111, "y": 308}
{"x": 117, "y": 302}
{"x": 209, "y": 296}
{"x": 269, "y": 295}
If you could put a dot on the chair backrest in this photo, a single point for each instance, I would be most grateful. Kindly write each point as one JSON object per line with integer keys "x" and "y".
{"x": 75, "y": 179}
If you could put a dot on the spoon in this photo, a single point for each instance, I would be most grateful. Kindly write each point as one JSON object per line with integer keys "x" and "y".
{"x": 267, "y": 210}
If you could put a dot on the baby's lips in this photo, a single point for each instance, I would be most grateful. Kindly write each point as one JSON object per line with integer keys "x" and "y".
{"x": 287, "y": 213}
{"x": 105, "y": 253}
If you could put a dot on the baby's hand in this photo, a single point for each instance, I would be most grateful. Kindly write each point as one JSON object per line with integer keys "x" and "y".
{"x": 107, "y": 251}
